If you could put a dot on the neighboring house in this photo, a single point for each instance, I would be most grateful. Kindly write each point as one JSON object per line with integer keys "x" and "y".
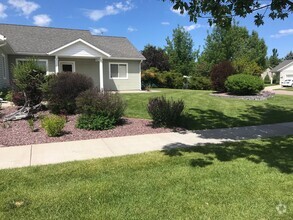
{"x": 285, "y": 70}
{"x": 268, "y": 72}
{"x": 112, "y": 62}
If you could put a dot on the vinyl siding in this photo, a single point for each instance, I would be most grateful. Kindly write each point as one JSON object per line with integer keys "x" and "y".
{"x": 4, "y": 73}
{"x": 131, "y": 83}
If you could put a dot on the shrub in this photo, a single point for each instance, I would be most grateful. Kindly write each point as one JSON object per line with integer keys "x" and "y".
{"x": 200, "y": 83}
{"x": 242, "y": 84}
{"x": 93, "y": 102}
{"x": 95, "y": 122}
{"x": 63, "y": 89}
{"x": 151, "y": 78}
{"x": 53, "y": 125}
{"x": 276, "y": 78}
{"x": 28, "y": 77}
{"x": 165, "y": 112}
{"x": 99, "y": 110}
{"x": 18, "y": 98}
{"x": 172, "y": 80}
{"x": 4, "y": 92}
{"x": 219, "y": 74}
{"x": 267, "y": 79}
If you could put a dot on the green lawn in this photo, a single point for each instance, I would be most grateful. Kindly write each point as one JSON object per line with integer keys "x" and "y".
{"x": 205, "y": 111}
{"x": 241, "y": 180}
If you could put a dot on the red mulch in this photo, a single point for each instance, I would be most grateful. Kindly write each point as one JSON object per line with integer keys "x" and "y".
{"x": 19, "y": 133}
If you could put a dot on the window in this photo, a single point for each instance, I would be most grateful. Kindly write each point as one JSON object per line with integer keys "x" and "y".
{"x": 2, "y": 66}
{"x": 118, "y": 71}
{"x": 67, "y": 66}
{"x": 41, "y": 62}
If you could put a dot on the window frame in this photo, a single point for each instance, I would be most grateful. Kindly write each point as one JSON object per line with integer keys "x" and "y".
{"x": 42, "y": 60}
{"x": 118, "y": 63}
{"x": 67, "y": 62}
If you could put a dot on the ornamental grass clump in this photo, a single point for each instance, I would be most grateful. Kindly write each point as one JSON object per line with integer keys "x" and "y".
{"x": 53, "y": 125}
{"x": 164, "y": 112}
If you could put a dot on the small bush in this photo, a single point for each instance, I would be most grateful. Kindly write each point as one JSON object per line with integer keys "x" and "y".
{"x": 165, "y": 112}
{"x": 219, "y": 74}
{"x": 63, "y": 89}
{"x": 4, "y": 92}
{"x": 95, "y": 122}
{"x": 18, "y": 98}
{"x": 53, "y": 125}
{"x": 200, "y": 83}
{"x": 151, "y": 78}
{"x": 242, "y": 84}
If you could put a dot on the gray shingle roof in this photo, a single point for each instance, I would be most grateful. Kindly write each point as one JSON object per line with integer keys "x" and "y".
{"x": 41, "y": 40}
{"x": 281, "y": 65}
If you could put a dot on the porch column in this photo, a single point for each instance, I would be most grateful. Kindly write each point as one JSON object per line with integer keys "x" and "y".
{"x": 56, "y": 64}
{"x": 101, "y": 74}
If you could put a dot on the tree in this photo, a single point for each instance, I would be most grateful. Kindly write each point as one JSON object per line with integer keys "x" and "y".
{"x": 180, "y": 51}
{"x": 274, "y": 58}
{"x": 221, "y": 12}
{"x": 289, "y": 56}
{"x": 236, "y": 45}
{"x": 155, "y": 57}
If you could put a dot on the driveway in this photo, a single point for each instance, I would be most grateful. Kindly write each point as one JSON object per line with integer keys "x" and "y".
{"x": 279, "y": 92}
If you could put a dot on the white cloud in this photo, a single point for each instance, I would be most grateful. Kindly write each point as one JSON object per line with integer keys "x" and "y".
{"x": 282, "y": 33}
{"x": 98, "y": 31}
{"x": 113, "y": 9}
{"x": 165, "y": 23}
{"x": 177, "y": 12}
{"x": 131, "y": 29}
{"x": 2, "y": 11}
{"x": 42, "y": 20}
{"x": 25, "y": 7}
{"x": 191, "y": 27}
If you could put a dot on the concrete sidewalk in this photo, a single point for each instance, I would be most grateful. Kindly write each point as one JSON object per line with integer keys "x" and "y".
{"x": 52, "y": 153}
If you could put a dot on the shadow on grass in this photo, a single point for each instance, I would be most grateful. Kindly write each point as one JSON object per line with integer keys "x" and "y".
{"x": 275, "y": 152}
{"x": 254, "y": 115}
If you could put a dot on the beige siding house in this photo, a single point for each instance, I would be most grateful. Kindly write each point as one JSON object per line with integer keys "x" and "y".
{"x": 112, "y": 62}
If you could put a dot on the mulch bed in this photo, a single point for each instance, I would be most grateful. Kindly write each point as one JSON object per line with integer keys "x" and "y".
{"x": 17, "y": 133}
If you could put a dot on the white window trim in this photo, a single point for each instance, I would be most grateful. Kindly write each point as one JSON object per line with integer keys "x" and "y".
{"x": 4, "y": 66}
{"x": 67, "y": 63}
{"x": 43, "y": 60}
{"x": 118, "y": 72}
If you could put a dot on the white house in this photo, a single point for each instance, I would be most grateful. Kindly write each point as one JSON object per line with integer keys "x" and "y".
{"x": 285, "y": 70}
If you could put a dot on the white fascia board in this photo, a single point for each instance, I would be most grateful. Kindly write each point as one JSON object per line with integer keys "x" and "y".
{"x": 82, "y": 41}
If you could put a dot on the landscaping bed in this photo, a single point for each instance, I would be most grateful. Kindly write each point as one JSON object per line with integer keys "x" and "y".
{"x": 259, "y": 97}
{"x": 19, "y": 133}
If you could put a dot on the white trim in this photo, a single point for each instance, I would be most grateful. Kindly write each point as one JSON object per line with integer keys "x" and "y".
{"x": 27, "y": 59}
{"x": 284, "y": 67}
{"x": 82, "y": 41}
{"x": 4, "y": 66}
{"x": 67, "y": 63}
{"x": 125, "y": 58}
{"x": 118, "y": 70}
{"x": 140, "y": 75}
{"x": 101, "y": 73}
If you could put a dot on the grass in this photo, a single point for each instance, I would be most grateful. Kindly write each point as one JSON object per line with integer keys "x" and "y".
{"x": 240, "y": 180}
{"x": 204, "y": 111}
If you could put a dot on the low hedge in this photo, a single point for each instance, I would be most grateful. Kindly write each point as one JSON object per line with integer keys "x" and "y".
{"x": 243, "y": 84}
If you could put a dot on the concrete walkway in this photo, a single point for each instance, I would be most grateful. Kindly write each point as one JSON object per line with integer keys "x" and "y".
{"x": 279, "y": 92}
{"x": 52, "y": 153}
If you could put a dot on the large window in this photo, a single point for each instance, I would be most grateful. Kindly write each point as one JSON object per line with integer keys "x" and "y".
{"x": 41, "y": 62}
{"x": 66, "y": 66}
{"x": 118, "y": 71}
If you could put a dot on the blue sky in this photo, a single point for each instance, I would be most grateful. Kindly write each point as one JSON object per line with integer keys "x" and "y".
{"x": 141, "y": 21}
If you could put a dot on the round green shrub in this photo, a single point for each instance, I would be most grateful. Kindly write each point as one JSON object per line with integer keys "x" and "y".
{"x": 242, "y": 84}
{"x": 200, "y": 83}
{"x": 95, "y": 122}
{"x": 53, "y": 125}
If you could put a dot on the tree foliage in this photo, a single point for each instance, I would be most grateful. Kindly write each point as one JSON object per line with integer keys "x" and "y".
{"x": 274, "y": 58}
{"x": 236, "y": 45}
{"x": 289, "y": 56}
{"x": 221, "y": 12}
{"x": 155, "y": 57}
{"x": 180, "y": 51}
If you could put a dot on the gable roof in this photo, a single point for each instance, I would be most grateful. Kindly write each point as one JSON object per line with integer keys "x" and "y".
{"x": 42, "y": 40}
{"x": 282, "y": 65}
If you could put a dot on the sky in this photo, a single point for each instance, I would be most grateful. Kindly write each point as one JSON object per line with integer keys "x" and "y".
{"x": 141, "y": 21}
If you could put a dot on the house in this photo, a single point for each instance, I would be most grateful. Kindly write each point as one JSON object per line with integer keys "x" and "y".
{"x": 284, "y": 70}
{"x": 268, "y": 72}
{"x": 112, "y": 62}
